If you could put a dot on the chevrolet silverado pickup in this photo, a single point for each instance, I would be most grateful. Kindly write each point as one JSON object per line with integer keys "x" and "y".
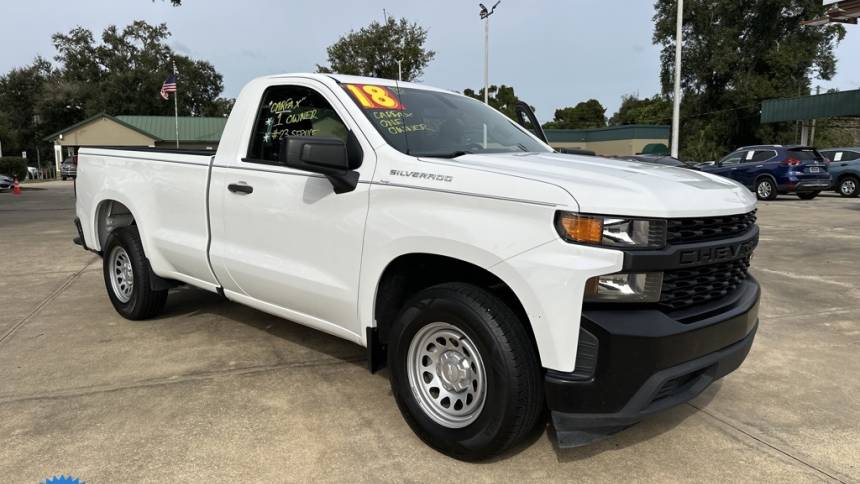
{"x": 494, "y": 277}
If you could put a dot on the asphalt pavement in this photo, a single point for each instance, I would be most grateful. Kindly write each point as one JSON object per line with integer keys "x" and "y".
{"x": 216, "y": 392}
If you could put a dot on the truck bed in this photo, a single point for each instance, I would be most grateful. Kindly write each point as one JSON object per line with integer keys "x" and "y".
{"x": 165, "y": 189}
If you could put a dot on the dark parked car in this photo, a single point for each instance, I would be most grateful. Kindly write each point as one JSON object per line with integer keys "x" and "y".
{"x": 770, "y": 170}
{"x": 845, "y": 170}
{"x": 6, "y": 183}
{"x": 69, "y": 168}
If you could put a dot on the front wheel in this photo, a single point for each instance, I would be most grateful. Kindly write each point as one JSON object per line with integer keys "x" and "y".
{"x": 849, "y": 187}
{"x": 765, "y": 189}
{"x": 807, "y": 195}
{"x": 464, "y": 372}
{"x": 126, "y": 275}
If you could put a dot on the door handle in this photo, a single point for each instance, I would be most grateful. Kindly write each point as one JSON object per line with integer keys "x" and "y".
{"x": 759, "y": 166}
{"x": 241, "y": 187}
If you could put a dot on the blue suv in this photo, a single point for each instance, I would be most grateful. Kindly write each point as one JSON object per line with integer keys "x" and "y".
{"x": 770, "y": 170}
{"x": 845, "y": 169}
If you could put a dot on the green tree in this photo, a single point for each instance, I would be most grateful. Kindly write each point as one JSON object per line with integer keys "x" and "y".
{"x": 123, "y": 73}
{"x": 22, "y": 98}
{"x": 502, "y": 98}
{"x": 587, "y": 114}
{"x": 736, "y": 54}
{"x": 653, "y": 110}
{"x": 374, "y": 51}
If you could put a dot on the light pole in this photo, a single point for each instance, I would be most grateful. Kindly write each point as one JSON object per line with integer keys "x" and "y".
{"x": 676, "y": 107}
{"x": 400, "y": 69}
{"x": 485, "y": 16}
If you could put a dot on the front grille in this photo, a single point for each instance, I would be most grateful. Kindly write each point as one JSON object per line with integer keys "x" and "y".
{"x": 683, "y": 288}
{"x": 687, "y": 230}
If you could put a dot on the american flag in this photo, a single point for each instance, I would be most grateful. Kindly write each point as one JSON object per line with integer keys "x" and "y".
{"x": 168, "y": 86}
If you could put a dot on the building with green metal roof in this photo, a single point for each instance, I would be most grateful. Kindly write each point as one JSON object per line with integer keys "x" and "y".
{"x": 806, "y": 109}
{"x": 613, "y": 140}
{"x": 195, "y": 133}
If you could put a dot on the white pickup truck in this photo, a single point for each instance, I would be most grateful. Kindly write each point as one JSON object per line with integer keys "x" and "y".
{"x": 492, "y": 275}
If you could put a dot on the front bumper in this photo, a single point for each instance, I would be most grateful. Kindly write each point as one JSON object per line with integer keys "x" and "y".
{"x": 646, "y": 361}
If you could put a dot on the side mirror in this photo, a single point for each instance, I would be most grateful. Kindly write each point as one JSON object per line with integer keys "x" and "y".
{"x": 327, "y": 156}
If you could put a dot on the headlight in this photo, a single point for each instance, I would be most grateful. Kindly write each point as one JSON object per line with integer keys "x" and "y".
{"x": 611, "y": 231}
{"x": 642, "y": 287}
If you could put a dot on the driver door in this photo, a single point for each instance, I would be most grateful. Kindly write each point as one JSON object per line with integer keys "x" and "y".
{"x": 282, "y": 240}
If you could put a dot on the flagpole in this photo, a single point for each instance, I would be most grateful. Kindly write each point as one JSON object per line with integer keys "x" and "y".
{"x": 176, "y": 104}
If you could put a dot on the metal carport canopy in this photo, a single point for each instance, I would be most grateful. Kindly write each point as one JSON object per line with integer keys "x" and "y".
{"x": 831, "y": 105}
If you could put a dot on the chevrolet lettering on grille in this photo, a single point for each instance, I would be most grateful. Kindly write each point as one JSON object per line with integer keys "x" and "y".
{"x": 718, "y": 254}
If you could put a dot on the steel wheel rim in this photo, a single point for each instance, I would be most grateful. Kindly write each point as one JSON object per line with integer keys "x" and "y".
{"x": 764, "y": 189}
{"x": 446, "y": 375}
{"x": 121, "y": 274}
{"x": 848, "y": 187}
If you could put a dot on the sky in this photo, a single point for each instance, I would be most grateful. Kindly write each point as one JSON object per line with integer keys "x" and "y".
{"x": 555, "y": 53}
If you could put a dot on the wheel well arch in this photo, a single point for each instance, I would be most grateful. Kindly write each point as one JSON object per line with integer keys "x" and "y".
{"x": 849, "y": 174}
{"x": 408, "y": 274}
{"x": 111, "y": 215}
{"x": 765, "y": 175}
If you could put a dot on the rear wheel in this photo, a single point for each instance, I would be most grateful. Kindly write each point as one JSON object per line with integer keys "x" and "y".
{"x": 849, "y": 186}
{"x": 464, "y": 372}
{"x": 127, "y": 279}
{"x": 807, "y": 195}
{"x": 765, "y": 189}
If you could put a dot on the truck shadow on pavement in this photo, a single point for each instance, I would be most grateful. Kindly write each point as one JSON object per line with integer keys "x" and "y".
{"x": 186, "y": 303}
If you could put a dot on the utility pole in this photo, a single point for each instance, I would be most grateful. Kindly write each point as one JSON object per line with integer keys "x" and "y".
{"x": 485, "y": 16}
{"x": 676, "y": 107}
{"x": 176, "y": 103}
{"x": 812, "y": 133}
{"x": 400, "y": 69}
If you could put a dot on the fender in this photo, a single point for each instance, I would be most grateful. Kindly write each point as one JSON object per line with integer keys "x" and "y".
{"x": 374, "y": 267}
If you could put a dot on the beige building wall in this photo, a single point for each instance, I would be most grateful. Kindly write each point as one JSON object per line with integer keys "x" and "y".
{"x": 104, "y": 132}
{"x": 612, "y": 148}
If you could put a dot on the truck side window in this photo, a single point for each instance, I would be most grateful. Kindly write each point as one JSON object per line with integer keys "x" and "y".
{"x": 291, "y": 111}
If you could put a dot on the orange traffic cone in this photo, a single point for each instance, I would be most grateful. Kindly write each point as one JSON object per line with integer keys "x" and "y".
{"x": 16, "y": 187}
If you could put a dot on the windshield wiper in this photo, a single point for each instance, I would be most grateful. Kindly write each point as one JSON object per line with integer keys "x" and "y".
{"x": 453, "y": 154}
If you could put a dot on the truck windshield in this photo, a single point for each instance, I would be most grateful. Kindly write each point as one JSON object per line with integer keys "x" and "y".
{"x": 420, "y": 122}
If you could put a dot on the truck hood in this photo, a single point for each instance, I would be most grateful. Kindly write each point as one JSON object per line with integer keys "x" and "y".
{"x": 618, "y": 187}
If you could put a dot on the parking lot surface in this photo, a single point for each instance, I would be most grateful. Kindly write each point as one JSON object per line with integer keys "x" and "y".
{"x": 216, "y": 392}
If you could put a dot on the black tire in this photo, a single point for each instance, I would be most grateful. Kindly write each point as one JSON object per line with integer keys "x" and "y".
{"x": 64, "y": 177}
{"x": 807, "y": 195}
{"x": 513, "y": 394}
{"x": 143, "y": 302}
{"x": 849, "y": 186}
{"x": 765, "y": 189}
